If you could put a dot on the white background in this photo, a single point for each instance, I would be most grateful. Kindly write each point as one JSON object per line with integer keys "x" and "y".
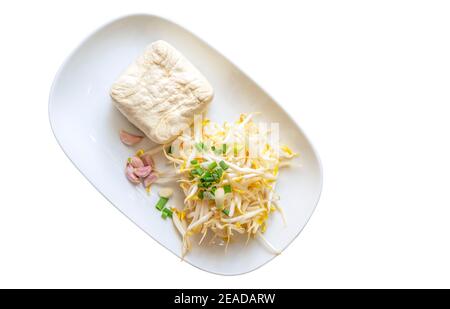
{"x": 368, "y": 81}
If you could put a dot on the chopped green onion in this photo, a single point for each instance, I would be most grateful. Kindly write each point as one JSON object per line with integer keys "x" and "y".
{"x": 166, "y": 212}
{"x": 194, "y": 162}
{"x": 219, "y": 172}
{"x": 161, "y": 203}
{"x": 200, "y": 194}
{"x": 207, "y": 179}
{"x": 165, "y": 192}
{"x": 213, "y": 189}
{"x": 226, "y": 211}
{"x": 227, "y": 189}
{"x": 224, "y": 148}
{"x": 213, "y": 148}
{"x": 169, "y": 149}
{"x": 212, "y": 166}
{"x": 219, "y": 197}
{"x": 208, "y": 195}
{"x": 129, "y": 160}
{"x": 200, "y": 146}
{"x": 204, "y": 185}
{"x": 223, "y": 165}
{"x": 198, "y": 171}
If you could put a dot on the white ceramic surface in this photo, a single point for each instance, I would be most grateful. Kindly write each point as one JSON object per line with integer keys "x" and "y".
{"x": 86, "y": 125}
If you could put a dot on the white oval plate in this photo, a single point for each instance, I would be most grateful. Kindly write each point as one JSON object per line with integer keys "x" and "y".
{"x": 86, "y": 125}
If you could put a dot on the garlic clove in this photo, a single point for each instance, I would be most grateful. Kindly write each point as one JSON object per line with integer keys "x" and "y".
{"x": 129, "y": 139}
{"x": 129, "y": 171}
{"x": 148, "y": 160}
{"x": 136, "y": 162}
{"x": 143, "y": 171}
{"x": 151, "y": 178}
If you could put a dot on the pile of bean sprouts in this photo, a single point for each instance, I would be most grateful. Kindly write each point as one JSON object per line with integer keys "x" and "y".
{"x": 228, "y": 189}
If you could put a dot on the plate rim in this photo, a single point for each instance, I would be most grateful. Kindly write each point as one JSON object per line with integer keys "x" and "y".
{"x": 163, "y": 18}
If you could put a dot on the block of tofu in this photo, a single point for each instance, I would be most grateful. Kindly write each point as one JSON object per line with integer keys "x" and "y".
{"x": 160, "y": 92}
